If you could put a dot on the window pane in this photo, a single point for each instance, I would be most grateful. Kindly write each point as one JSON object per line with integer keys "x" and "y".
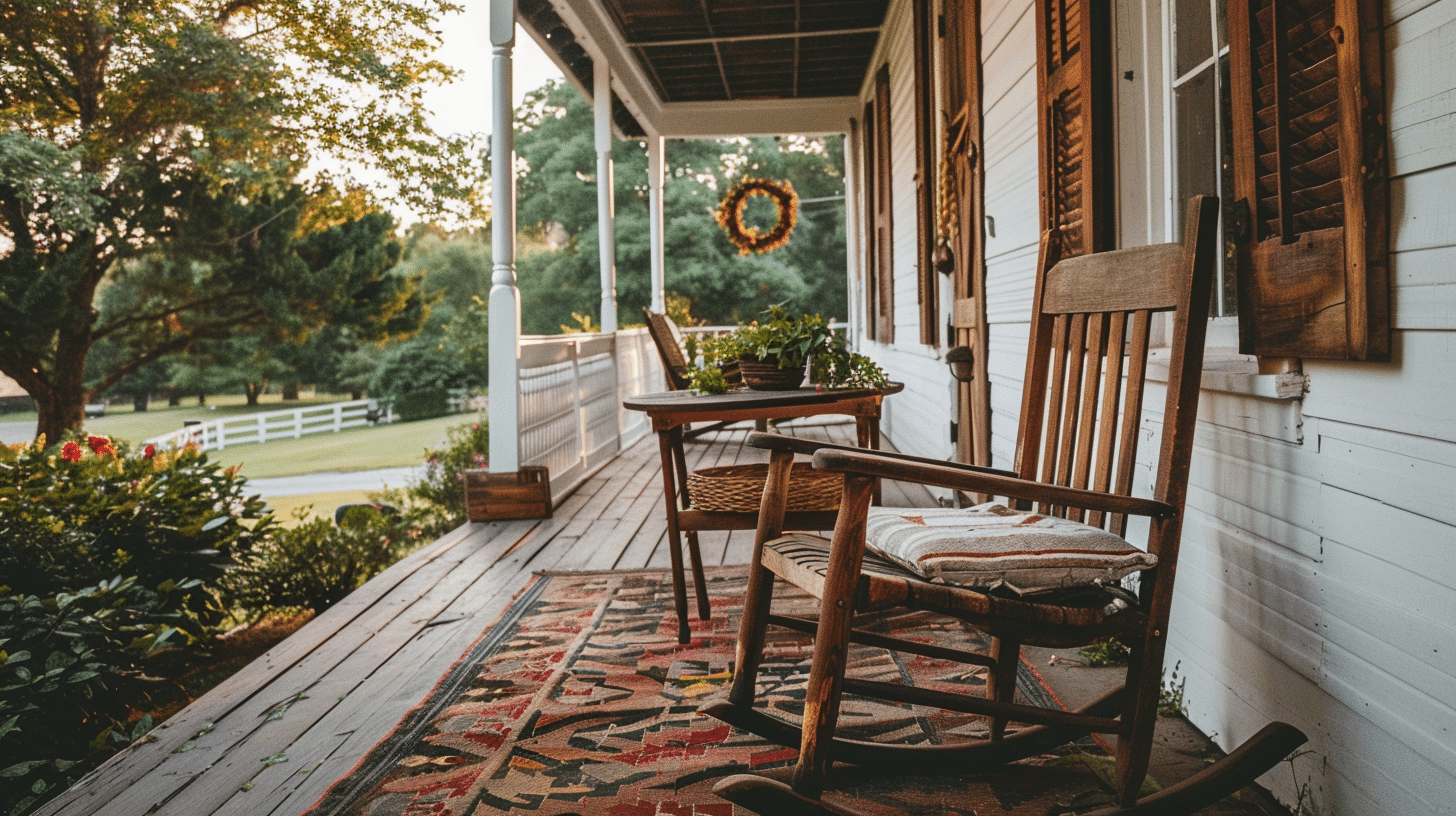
{"x": 1220, "y": 19}
{"x": 1194, "y": 35}
{"x": 1197, "y": 148}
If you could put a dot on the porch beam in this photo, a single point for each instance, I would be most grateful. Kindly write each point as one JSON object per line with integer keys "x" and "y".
{"x": 606, "y": 197}
{"x": 786, "y": 35}
{"x": 505, "y": 300}
{"x": 655, "y": 179}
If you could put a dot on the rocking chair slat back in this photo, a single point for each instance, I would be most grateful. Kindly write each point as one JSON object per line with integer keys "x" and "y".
{"x": 668, "y": 339}
{"x": 1088, "y": 365}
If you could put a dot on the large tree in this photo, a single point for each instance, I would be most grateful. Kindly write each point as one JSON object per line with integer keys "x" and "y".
{"x": 130, "y": 127}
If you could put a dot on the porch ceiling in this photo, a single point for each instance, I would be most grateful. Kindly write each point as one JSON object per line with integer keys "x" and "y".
{"x": 724, "y": 50}
{"x": 696, "y": 68}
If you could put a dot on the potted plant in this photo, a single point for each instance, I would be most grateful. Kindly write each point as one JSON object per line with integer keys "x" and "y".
{"x": 774, "y": 351}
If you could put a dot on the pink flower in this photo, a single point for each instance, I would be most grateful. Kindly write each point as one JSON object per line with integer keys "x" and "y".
{"x": 71, "y": 452}
{"x": 475, "y": 426}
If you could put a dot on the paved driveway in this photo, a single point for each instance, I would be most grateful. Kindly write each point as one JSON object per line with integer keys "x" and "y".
{"x": 12, "y": 432}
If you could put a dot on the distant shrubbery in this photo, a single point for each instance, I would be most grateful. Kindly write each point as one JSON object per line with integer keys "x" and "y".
{"x": 316, "y": 563}
{"x": 435, "y": 504}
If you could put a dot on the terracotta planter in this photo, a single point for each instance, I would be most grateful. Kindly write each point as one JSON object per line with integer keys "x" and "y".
{"x": 769, "y": 377}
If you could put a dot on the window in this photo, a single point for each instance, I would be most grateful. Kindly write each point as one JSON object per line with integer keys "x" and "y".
{"x": 880, "y": 259}
{"x": 1202, "y": 129}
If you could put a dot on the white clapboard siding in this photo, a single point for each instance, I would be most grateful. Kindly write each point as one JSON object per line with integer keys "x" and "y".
{"x": 1422, "y": 47}
{"x": 1413, "y": 395}
{"x": 1318, "y": 583}
{"x": 918, "y": 418}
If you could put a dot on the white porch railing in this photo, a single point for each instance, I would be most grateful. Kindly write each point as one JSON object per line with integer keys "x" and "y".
{"x": 217, "y": 434}
{"x": 571, "y": 392}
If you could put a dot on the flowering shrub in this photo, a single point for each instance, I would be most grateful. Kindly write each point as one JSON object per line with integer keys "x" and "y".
{"x": 88, "y": 512}
{"x": 435, "y": 504}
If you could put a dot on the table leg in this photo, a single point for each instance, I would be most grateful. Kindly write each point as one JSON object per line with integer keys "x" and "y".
{"x": 695, "y": 555}
{"x": 867, "y": 434}
{"x": 665, "y": 440}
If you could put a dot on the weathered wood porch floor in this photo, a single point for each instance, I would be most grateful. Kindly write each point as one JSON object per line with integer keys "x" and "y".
{"x": 274, "y": 737}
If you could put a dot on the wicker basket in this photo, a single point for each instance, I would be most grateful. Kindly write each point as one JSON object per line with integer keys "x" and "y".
{"x": 739, "y": 488}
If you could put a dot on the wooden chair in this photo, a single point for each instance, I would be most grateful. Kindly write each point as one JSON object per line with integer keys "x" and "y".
{"x": 668, "y": 339}
{"x": 1082, "y": 403}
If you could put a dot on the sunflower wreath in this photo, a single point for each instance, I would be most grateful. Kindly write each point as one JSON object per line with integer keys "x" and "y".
{"x": 749, "y": 239}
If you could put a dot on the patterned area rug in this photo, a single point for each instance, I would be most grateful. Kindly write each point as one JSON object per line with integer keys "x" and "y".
{"x": 580, "y": 700}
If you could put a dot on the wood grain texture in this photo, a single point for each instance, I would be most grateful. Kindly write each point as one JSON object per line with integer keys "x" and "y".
{"x": 344, "y": 679}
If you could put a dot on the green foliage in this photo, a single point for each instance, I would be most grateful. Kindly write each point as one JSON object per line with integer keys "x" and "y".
{"x": 82, "y": 512}
{"x": 167, "y": 134}
{"x": 436, "y": 503}
{"x": 707, "y": 380}
{"x": 790, "y": 341}
{"x": 73, "y": 668}
{"x": 1170, "y": 695}
{"x": 415, "y": 366}
{"x": 1108, "y": 651}
{"x": 422, "y": 403}
{"x": 316, "y": 563}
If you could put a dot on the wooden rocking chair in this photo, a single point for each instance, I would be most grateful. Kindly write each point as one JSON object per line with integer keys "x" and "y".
{"x": 1076, "y": 455}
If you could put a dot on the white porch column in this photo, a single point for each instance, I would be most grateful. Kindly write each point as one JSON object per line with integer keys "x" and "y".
{"x": 854, "y": 227}
{"x": 505, "y": 299}
{"x": 654, "y": 217}
{"x": 606, "y": 200}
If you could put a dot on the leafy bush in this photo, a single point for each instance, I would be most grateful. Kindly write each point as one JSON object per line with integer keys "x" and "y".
{"x": 417, "y": 365}
{"x": 435, "y": 504}
{"x": 73, "y": 671}
{"x": 424, "y": 403}
{"x": 315, "y": 564}
{"x": 84, "y": 512}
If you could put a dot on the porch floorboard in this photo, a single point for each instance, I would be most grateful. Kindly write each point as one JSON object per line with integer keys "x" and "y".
{"x": 273, "y": 738}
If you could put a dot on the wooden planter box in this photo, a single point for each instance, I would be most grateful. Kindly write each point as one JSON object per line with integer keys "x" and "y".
{"x": 523, "y": 494}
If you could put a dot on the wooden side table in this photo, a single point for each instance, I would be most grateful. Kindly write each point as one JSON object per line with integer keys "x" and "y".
{"x": 670, "y": 411}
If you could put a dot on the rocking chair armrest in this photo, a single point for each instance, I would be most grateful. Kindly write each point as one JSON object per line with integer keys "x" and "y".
{"x": 809, "y": 447}
{"x": 963, "y": 477}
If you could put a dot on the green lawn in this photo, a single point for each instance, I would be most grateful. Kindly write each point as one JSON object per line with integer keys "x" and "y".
{"x": 401, "y": 444}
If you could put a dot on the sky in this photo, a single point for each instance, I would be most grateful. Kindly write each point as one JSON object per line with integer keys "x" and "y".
{"x": 464, "y": 105}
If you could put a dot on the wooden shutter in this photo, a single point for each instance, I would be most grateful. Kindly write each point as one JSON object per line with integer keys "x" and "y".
{"x": 1074, "y": 119}
{"x": 871, "y": 276}
{"x": 1310, "y": 177}
{"x": 883, "y": 221}
{"x": 925, "y": 165}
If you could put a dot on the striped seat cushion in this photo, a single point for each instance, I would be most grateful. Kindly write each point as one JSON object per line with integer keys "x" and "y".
{"x": 991, "y": 545}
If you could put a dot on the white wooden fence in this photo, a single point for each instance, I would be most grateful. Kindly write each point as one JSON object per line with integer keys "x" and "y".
{"x": 217, "y": 434}
{"x": 571, "y": 392}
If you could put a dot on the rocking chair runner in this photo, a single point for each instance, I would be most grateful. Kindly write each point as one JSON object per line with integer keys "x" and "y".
{"x": 1076, "y": 454}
